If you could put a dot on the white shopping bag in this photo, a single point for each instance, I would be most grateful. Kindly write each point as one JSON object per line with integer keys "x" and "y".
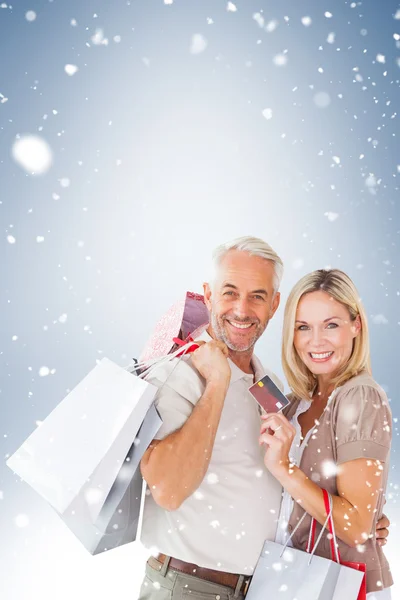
{"x": 291, "y": 574}
{"x": 77, "y": 458}
{"x": 84, "y": 458}
{"x": 118, "y": 519}
{"x": 85, "y": 439}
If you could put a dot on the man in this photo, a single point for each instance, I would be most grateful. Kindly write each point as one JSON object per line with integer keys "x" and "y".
{"x": 212, "y": 503}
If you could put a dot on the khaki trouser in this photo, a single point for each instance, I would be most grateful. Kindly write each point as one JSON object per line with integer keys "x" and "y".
{"x": 163, "y": 583}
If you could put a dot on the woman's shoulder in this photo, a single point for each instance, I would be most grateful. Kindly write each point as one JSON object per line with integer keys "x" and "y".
{"x": 362, "y": 384}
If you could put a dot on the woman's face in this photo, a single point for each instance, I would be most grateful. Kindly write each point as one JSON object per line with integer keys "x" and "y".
{"x": 324, "y": 333}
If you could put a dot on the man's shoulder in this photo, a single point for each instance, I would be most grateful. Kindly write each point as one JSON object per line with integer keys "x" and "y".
{"x": 180, "y": 375}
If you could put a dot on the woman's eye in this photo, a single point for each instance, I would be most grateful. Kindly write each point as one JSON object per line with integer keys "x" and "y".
{"x": 332, "y": 325}
{"x": 302, "y": 328}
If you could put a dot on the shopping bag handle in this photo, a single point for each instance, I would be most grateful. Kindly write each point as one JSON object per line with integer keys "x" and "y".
{"x": 312, "y": 552}
{"x": 335, "y": 555}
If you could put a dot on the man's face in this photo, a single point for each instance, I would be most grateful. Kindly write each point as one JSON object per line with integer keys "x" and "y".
{"x": 242, "y": 299}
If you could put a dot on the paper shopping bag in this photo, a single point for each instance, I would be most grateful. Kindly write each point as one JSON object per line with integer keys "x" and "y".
{"x": 117, "y": 523}
{"x": 293, "y": 574}
{"x": 288, "y": 573}
{"x": 77, "y": 458}
{"x": 342, "y": 586}
{"x": 188, "y": 316}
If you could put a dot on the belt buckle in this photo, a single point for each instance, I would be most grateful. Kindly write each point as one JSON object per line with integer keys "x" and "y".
{"x": 246, "y": 586}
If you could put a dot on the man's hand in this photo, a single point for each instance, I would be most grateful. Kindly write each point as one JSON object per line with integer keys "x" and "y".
{"x": 382, "y": 530}
{"x": 211, "y": 361}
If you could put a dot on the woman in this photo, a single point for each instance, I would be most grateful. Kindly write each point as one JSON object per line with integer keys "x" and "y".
{"x": 337, "y": 432}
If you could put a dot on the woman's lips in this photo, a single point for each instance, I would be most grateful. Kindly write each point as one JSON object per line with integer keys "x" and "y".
{"x": 321, "y": 357}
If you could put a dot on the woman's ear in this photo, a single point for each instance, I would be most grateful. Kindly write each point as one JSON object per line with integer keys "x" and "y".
{"x": 357, "y": 325}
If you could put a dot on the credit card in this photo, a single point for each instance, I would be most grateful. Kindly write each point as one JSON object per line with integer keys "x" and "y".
{"x": 268, "y": 395}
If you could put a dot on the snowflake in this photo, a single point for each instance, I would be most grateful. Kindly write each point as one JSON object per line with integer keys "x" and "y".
{"x": 198, "y": 44}
{"x": 267, "y": 113}
{"x": 71, "y": 69}
{"x": 331, "y": 216}
{"x": 212, "y": 478}
{"x": 329, "y": 468}
{"x": 306, "y": 21}
{"x": 271, "y": 26}
{"x": 30, "y": 16}
{"x": 94, "y": 496}
{"x": 230, "y": 7}
{"x": 259, "y": 19}
{"x": 98, "y": 38}
{"x": 280, "y": 60}
{"x": 33, "y": 154}
{"x": 44, "y": 371}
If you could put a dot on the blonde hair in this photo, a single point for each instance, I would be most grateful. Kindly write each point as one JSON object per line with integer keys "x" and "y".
{"x": 255, "y": 247}
{"x": 341, "y": 288}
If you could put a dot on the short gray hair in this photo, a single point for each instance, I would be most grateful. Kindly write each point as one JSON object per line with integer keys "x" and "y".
{"x": 255, "y": 247}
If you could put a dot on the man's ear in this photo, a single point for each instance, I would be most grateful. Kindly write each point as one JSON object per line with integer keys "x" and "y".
{"x": 275, "y": 303}
{"x": 207, "y": 295}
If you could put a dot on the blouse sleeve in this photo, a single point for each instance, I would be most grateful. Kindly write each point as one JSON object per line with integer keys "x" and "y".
{"x": 363, "y": 425}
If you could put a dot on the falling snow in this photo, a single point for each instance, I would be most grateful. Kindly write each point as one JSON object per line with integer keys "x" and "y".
{"x": 44, "y": 371}
{"x": 30, "y": 16}
{"x": 198, "y": 44}
{"x": 33, "y": 154}
{"x": 267, "y": 113}
{"x": 71, "y": 69}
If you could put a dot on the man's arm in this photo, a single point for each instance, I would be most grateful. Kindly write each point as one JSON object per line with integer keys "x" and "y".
{"x": 175, "y": 466}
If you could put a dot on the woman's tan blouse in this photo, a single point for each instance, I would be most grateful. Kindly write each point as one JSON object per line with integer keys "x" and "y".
{"x": 357, "y": 423}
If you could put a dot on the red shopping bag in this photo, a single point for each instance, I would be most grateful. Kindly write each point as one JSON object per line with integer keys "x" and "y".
{"x": 335, "y": 555}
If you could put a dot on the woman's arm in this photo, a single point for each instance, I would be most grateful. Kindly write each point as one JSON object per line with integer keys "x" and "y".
{"x": 358, "y": 481}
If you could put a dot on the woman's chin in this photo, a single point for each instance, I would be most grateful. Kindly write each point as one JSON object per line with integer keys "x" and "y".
{"x": 322, "y": 368}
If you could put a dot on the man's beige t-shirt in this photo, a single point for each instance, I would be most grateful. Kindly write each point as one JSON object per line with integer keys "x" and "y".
{"x": 223, "y": 525}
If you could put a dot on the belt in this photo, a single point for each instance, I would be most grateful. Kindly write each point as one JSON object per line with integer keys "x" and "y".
{"x": 218, "y": 577}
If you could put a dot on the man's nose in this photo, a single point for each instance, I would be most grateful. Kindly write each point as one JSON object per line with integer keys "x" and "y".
{"x": 242, "y": 307}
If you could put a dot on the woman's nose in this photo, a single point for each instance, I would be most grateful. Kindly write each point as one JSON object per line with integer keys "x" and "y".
{"x": 317, "y": 338}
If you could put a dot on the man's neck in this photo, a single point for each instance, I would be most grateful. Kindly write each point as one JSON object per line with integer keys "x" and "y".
{"x": 241, "y": 359}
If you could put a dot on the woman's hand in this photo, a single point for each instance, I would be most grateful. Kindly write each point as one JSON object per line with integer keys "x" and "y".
{"x": 278, "y": 434}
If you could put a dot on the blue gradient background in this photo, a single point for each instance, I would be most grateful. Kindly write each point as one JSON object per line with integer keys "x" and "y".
{"x": 168, "y": 154}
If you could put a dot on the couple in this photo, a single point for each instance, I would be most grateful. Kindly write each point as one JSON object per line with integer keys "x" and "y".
{"x": 222, "y": 479}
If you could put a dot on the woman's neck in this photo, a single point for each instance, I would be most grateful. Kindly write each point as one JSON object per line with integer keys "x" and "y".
{"x": 324, "y": 386}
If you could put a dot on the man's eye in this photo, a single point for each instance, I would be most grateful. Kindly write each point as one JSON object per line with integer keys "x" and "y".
{"x": 257, "y": 297}
{"x": 228, "y": 293}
